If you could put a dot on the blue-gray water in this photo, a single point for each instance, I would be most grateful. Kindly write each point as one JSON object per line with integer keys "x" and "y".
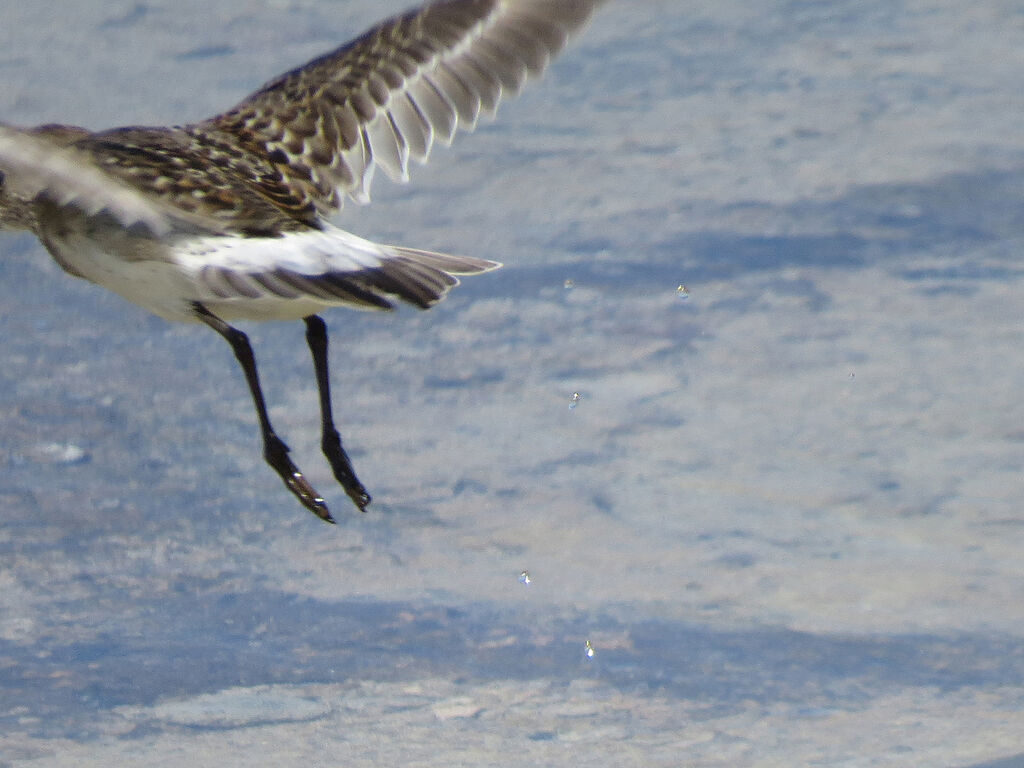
{"x": 785, "y": 510}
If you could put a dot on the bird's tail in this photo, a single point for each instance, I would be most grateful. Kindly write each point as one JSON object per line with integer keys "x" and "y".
{"x": 421, "y": 278}
{"x": 328, "y": 266}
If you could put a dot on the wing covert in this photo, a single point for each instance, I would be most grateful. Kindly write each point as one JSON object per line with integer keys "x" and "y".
{"x": 385, "y": 98}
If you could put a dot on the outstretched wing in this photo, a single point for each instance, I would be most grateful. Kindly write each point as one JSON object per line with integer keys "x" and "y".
{"x": 385, "y": 98}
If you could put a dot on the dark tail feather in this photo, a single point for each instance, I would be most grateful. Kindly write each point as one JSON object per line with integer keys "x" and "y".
{"x": 421, "y": 278}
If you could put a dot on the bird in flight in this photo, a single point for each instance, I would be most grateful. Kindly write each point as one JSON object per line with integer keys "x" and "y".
{"x": 228, "y": 219}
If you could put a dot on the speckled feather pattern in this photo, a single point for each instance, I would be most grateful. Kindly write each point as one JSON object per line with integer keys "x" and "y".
{"x": 385, "y": 98}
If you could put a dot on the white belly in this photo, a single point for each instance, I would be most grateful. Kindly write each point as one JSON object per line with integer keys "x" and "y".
{"x": 154, "y": 284}
{"x": 153, "y": 276}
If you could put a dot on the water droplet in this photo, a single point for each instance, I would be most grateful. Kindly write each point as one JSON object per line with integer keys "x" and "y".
{"x": 682, "y": 292}
{"x": 524, "y": 578}
{"x": 589, "y": 650}
{"x": 574, "y": 401}
{"x": 569, "y": 284}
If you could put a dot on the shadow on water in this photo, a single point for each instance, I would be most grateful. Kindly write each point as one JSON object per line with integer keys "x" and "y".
{"x": 186, "y": 644}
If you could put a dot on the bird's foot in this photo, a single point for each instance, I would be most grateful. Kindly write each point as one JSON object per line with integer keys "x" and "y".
{"x": 276, "y": 455}
{"x": 343, "y": 471}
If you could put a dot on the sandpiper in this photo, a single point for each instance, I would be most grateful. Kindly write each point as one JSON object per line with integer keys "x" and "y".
{"x": 227, "y": 219}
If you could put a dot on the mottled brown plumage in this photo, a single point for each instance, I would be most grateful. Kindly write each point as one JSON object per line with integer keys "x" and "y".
{"x": 385, "y": 97}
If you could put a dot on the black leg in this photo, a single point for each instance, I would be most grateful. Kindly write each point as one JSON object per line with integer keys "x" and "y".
{"x": 275, "y": 452}
{"x": 330, "y": 442}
